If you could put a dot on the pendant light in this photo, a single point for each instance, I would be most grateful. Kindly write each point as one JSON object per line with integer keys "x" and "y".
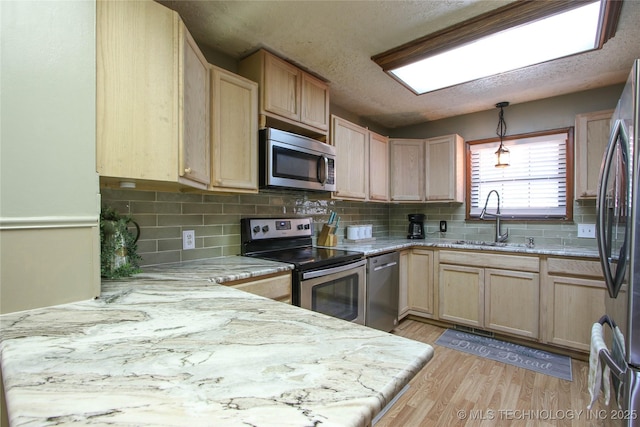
{"x": 502, "y": 155}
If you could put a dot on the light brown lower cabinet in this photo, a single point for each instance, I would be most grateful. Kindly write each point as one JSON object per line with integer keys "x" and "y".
{"x": 416, "y": 283}
{"x": 552, "y": 300}
{"x": 575, "y": 300}
{"x": 503, "y": 300}
{"x": 512, "y": 302}
{"x": 276, "y": 287}
{"x": 461, "y": 292}
{"x": 403, "y": 300}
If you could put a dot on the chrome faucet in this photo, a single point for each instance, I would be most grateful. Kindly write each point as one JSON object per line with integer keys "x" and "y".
{"x": 499, "y": 237}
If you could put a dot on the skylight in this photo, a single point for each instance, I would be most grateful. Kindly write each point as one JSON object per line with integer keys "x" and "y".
{"x": 533, "y": 39}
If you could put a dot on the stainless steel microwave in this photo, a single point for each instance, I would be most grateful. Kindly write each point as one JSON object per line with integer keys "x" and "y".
{"x": 294, "y": 161}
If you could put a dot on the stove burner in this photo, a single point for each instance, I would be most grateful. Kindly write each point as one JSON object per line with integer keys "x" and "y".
{"x": 267, "y": 238}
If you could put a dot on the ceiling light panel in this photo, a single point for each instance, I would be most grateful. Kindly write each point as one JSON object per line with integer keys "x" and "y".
{"x": 543, "y": 38}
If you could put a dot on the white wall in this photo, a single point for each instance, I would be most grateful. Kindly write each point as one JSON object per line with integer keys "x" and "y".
{"x": 49, "y": 191}
{"x": 550, "y": 113}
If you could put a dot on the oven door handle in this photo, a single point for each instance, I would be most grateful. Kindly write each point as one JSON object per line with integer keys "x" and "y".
{"x": 332, "y": 270}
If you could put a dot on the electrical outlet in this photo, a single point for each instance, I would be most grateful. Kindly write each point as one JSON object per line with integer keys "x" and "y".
{"x": 587, "y": 231}
{"x": 443, "y": 226}
{"x": 188, "y": 239}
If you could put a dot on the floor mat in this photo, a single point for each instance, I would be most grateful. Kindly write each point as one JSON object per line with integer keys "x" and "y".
{"x": 513, "y": 354}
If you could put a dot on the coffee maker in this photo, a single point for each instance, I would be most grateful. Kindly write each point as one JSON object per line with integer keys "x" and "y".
{"x": 416, "y": 226}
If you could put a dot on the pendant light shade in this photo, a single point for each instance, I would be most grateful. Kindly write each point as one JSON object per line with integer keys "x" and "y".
{"x": 502, "y": 155}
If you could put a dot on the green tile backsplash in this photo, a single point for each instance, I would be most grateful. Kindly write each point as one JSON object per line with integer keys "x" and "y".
{"x": 163, "y": 216}
{"x": 216, "y": 218}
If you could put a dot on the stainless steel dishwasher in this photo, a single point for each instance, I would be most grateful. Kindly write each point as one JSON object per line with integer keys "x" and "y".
{"x": 383, "y": 272}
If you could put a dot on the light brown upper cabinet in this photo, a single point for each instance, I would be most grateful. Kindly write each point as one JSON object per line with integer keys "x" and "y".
{"x": 444, "y": 169}
{"x": 234, "y": 132}
{"x": 152, "y": 96}
{"x": 290, "y": 98}
{"x": 592, "y": 136}
{"x": 362, "y": 163}
{"x": 427, "y": 170}
{"x": 406, "y": 160}
{"x": 352, "y": 159}
{"x": 378, "y": 167}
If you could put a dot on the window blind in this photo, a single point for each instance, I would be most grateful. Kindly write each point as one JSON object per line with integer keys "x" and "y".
{"x": 533, "y": 186}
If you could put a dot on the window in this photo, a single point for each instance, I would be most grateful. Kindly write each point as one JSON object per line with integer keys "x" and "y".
{"x": 536, "y": 185}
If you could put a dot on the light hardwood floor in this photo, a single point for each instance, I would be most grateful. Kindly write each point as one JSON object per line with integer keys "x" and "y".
{"x": 458, "y": 389}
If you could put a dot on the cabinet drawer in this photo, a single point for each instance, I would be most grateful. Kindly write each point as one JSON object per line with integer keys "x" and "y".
{"x": 274, "y": 287}
{"x": 575, "y": 267}
{"x": 492, "y": 260}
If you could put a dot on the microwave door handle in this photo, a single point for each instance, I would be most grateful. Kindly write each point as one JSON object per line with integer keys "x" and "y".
{"x": 323, "y": 169}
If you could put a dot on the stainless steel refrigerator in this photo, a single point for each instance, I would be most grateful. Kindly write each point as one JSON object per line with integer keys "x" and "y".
{"x": 618, "y": 235}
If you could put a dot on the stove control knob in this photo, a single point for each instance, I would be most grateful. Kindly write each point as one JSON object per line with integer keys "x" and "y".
{"x": 307, "y": 226}
{"x": 256, "y": 228}
{"x": 265, "y": 228}
{"x": 300, "y": 226}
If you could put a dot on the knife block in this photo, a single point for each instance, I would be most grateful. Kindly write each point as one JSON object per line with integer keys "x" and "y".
{"x": 327, "y": 236}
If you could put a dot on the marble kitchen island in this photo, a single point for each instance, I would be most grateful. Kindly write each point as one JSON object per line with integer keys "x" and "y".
{"x": 174, "y": 352}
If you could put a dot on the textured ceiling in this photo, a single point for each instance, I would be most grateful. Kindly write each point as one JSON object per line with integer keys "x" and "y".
{"x": 336, "y": 40}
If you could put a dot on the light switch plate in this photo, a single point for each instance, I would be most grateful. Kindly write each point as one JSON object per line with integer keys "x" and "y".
{"x": 587, "y": 231}
{"x": 188, "y": 239}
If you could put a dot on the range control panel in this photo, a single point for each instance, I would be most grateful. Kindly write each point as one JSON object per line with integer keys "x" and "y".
{"x": 274, "y": 228}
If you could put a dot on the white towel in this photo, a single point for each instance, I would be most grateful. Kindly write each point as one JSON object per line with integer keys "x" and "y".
{"x": 597, "y": 377}
{"x": 618, "y": 354}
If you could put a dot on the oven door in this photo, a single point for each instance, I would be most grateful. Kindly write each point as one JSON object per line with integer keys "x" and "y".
{"x": 336, "y": 291}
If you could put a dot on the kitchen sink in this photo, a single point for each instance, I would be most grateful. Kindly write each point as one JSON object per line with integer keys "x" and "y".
{"x": 484, "y": 243}
{"x": 479, "y": 243}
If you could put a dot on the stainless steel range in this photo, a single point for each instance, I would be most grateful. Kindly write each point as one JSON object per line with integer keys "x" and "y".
{"x": 326, "y": 280}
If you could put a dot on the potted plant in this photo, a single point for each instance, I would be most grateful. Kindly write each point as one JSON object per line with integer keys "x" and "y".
{"x": 118, "y": 248}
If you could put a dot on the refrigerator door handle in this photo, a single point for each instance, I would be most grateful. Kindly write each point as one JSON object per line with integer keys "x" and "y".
{"x": 613, "y": 283}
{"x": 606, "y": 356}
{"x": 616, "y": 370}
{"x": 609, "y": 321}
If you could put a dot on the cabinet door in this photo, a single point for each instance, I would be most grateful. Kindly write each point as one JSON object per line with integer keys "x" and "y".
{"x": 461, "y": 294}
{"x": 406, "y": 169}
{"x": 592, "y": 135}
{"x": 574, "y": 306}
{"x": 275, "y": 287}
{"x": 512, "y": 302}
{"x": 378, "y": 167}
{"x": 444, "y": 169}
{"x": 195, "y": 143}
{"x": 234, "y": 132}
{"x": 281, "y": 90}
{"x": 314, "y": 110}
{"x": 352, "y": 146}
{"x": 403, "y": 298}
{"x": 420, "y": 283}
{"x": 137, "y": 99}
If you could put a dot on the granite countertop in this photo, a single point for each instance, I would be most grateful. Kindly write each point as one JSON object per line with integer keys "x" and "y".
{"x": 159, "y": 349}
{"x": 216, "y": 270}
{"x": 382, "y": 245}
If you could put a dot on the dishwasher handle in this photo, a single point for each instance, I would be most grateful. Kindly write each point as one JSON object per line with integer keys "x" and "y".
{"x": 387, "y": 265}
